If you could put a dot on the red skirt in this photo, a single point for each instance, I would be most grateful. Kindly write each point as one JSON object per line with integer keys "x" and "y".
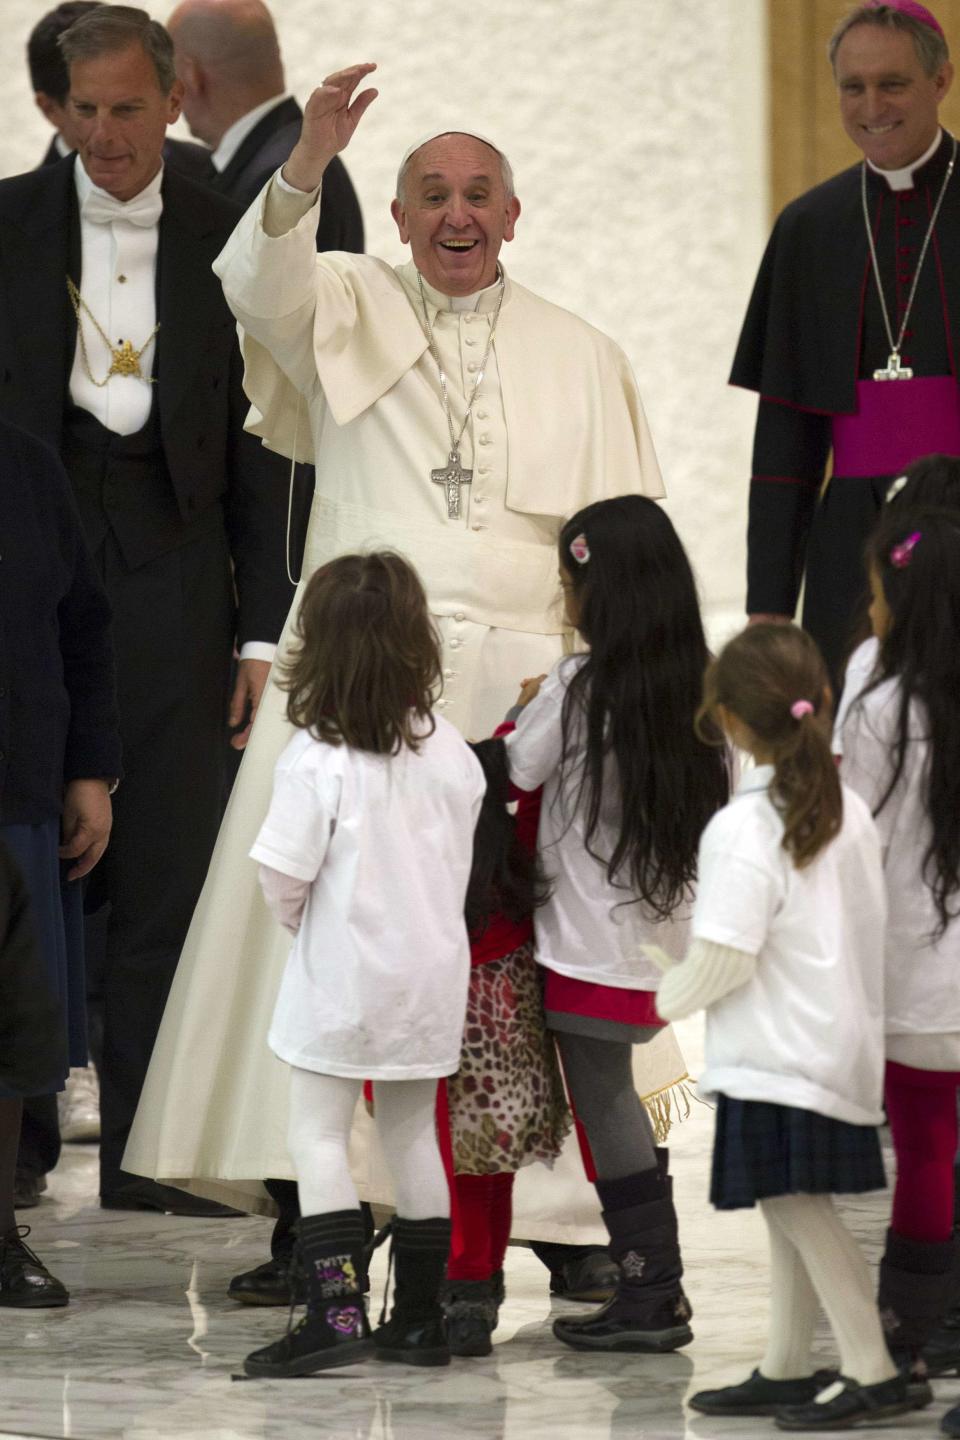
{"x": 600, "y": 1002}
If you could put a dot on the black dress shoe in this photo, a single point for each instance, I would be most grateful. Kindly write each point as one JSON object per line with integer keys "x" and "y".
{"x": 760, "y": 1396}
{"x": 25, "y": 1282}
{"x": 269, "y": 1284}
{"x": 592, "y": 1276}
{"x": 848, "y": 1405}
{"x": 27, "y": 1189}
{"x": 165, "y": 1200}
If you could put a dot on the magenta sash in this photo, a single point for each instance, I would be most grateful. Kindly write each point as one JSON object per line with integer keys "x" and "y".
{"x": 897, "y": 422}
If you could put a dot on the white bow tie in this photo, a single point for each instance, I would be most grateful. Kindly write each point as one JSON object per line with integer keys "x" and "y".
{"x": 102, "y": 209}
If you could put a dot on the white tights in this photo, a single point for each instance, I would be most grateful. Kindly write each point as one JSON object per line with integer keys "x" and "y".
{"x": 813, "y": 1257}
{"x": 321, "y": 1117}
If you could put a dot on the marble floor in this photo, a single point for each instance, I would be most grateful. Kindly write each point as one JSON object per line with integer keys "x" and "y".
{"x": 150, "y": 1347}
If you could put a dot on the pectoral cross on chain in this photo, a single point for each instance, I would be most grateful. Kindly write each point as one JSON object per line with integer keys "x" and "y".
{"x": 894, "y": 370}
{"x": 451, "y": 477}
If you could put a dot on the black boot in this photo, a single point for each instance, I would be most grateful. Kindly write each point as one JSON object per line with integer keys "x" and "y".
{"x": 649, "y": 1311}
{"x": 414, "y": 1334}
{"x": 915, "y": 1286}
{"x": 25, "y": 1282}
{"x": 942, "y": 1351}
{"x": 335, "y": 1329}
{"x": 470, "y": 1316}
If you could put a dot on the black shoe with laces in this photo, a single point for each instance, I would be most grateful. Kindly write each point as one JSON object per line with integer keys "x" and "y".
{"x": 25, "y": 1282}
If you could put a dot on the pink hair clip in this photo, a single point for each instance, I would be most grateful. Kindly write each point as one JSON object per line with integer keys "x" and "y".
{"x": 579, "y": 549}
{"x": 799, "y": 708}
{"x": 901, "y": 555}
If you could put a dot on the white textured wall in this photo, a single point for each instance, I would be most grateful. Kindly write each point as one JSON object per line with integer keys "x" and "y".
{"x": 637, "y": 130}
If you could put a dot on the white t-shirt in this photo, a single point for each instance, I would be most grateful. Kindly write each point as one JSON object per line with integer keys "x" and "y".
{"x": 855, "y": 681}
{"x": 922, "y": 975}
{"x": 807, "y": 1029}
{"x": 585, "y": 929}
{"x": 376, "y": 982}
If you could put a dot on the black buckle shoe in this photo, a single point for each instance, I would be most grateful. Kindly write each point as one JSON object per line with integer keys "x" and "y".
{"x": 848, "y": 1404}
{"x": 658, "y": 1327}
{"x": 271, "y": 1283}
{"x": 25, "y": 1282}
{"x": 337, "y": 1335}
{"x": 760, "y": 1396}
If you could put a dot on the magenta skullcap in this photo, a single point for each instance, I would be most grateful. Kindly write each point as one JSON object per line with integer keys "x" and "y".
{"x": 913, "y": 8}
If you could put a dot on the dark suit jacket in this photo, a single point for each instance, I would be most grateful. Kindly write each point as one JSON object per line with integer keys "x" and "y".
{"x": 181, "y": 155}
{"x": 58, "y": 712}
{"x": 265, "y": 149}
{"x": 215, "y": 469}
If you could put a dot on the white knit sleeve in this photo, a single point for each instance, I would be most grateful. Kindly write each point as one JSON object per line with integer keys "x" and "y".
{"x": 709, "y": 972}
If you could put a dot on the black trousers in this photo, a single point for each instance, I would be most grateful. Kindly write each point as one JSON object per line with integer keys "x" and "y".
{"x": 173, "y": 631}
{"x": 836, "y": 590}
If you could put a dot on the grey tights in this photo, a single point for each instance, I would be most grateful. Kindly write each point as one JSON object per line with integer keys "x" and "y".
{"x": 599, "y": 1077}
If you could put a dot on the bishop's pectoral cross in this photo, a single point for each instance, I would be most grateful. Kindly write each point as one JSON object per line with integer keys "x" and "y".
{"x": 894, "y": 370}
{"x": 451, "y": 477}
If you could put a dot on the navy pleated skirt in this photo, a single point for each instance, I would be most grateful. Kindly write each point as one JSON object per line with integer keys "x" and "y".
{"x": 56, "y": 907}
{"x": 761, "y": 1150}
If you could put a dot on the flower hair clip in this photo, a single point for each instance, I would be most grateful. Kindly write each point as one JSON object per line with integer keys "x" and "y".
{"x": 902, "y": 554}
{"x": 799, "y": 708}
{"x": 579, "y": 549}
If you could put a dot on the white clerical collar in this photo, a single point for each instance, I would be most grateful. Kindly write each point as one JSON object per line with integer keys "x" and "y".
{"x": 63, "y": 149}
{"x": 85, "y": 187}
{"x": 903, "y": 179}
{"x": 233, "y": 138}
{"x": 480, "y": 300}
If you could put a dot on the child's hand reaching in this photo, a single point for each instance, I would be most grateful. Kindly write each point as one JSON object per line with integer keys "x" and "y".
{"x": 529, "y": 690}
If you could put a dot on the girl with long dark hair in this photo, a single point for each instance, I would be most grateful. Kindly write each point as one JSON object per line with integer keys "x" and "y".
{"x": 786, "y": 931}
{"x": 506, "y": 1102}
{"x": 628, "y": 788}
{"x": 364, "y": 857}
{"x": 901, "y": 751}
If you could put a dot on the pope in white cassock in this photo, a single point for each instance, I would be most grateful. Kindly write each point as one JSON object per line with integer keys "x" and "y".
{"x": 458, "y": 418}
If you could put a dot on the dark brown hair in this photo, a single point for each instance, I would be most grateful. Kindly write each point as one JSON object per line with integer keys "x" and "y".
{"x": 367, "y": 659}
{"x": 759, "y": 676}
{"x": 110, "y": 28}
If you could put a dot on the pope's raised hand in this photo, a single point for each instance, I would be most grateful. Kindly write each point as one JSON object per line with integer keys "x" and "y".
{"x": 330, "y": 117}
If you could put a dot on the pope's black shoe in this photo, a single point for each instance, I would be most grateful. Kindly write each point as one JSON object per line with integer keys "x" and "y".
{"x": 760, "y": 1396}
{"x": 591, "y": 1276}
{"x": 272, "y": 1283}
{"x": 25, "y": 1282}
{"x": 846, "y": 1403}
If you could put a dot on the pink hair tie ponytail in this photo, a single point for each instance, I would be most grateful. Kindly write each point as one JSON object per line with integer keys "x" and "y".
{"x": 799, "y": 708}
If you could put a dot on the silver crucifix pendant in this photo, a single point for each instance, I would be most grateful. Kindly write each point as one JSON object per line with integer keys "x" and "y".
{"x": 451, "y": 477}
{"x": 894, "y": 370}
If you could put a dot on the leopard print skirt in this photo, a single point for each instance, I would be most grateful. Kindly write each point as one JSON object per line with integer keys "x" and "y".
{"x": 507, "y": 1103}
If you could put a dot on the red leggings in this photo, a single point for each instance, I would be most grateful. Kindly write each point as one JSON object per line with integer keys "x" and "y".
{"x": 479, "y": 1242}
{"x": 922, "y": 1108}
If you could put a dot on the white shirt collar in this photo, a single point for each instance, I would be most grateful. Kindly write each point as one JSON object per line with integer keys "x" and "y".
{"x": 233, "y": 138}
{"x": 63, "y": 149}
{"x": 903, "y": 179}
{"x": 758, "y": 777}
{"x": 85, "y": 185}
{"x": 481, "y": 300}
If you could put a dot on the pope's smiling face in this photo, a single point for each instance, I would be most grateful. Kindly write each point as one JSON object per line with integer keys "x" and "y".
{"x": 121, "y": 116}
{"x": 455, "y": 213}
{"x": 888, "y": 103}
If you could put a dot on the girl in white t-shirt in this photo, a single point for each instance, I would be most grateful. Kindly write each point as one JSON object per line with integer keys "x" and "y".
{"x": 364, "y": 857}
{"x": 787, "y": 930}
{"x": 934, "y": 480}
{"x": 628, "y": 787}
{"x": 901, "y": 752}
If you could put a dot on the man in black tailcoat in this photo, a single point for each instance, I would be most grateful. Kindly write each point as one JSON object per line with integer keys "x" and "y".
{"x": 117, "y": 348}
